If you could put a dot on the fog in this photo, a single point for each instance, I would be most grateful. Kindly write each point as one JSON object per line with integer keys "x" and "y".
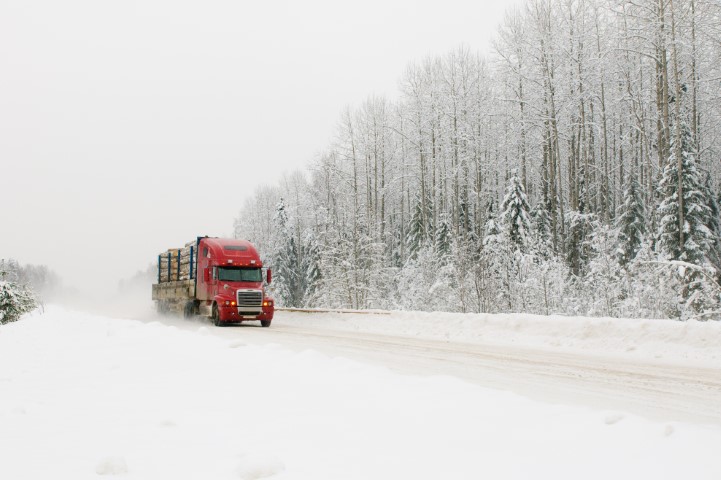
{"x": 130, "y": 127}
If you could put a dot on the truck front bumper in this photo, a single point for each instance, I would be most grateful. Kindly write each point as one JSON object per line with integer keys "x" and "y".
{"x": 231, "y": 313}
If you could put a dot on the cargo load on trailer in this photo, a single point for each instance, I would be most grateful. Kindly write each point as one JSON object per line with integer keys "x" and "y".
{"x": 220, "y": 278}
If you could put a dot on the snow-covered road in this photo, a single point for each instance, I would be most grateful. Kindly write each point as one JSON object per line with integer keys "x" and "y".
{"x": 663, "y": 391}
{"x": 657, "y": 388}
{"x": 86, "y": 396}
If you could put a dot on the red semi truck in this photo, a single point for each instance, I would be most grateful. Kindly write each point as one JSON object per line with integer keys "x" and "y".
{"x": 215, "y": 277}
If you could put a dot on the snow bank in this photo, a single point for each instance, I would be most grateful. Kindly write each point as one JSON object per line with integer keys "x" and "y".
{"x": 85, "y": 395}
{"x": 692, "y": 342}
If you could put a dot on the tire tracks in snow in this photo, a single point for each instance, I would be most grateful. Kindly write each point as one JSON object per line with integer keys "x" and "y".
{"x": 659, "y": 390}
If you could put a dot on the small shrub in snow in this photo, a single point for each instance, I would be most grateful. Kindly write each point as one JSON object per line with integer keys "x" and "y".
{"x": 15, "y": 300}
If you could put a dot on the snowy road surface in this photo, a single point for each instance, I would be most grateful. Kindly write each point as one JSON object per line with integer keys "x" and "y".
{"x": 652, "y": 388}
{"x": 87, "y": 396}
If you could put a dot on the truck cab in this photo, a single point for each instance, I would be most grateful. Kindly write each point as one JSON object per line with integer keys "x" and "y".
{"x": 229, "y": 283}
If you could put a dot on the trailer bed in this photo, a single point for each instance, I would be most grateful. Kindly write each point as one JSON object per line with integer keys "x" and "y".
{"x": 174, "y": 291}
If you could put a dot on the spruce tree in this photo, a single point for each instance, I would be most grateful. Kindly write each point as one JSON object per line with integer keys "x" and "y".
{"x": 497, "y": 257}
{"x": 578, "y": 242}
{"x": 491, "y": 231}
{"x": 15, "y": 299}
{"x": 714, "y": 220}
{"x": 288, "y": 278}
{"x": 516, "y": 213}
{"x": 443, "y": 239}
{"x": 693, "y": 243}
{"x": 631, "y": 223}
{"x": 310, "y": 266}
{"x": 696, "y": 235}
{"x": 580, "y": 228}
{"x": 541, "y": 230}
{"x": 416, "y": 235}
{"x": 469, "y": 233}
{"x": 713, "y": 223}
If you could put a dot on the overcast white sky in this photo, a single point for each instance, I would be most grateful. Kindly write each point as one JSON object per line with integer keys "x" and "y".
{"x": 128, "y": 127}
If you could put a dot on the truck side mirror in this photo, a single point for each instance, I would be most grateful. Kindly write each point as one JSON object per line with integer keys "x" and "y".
{"x": 269, "y": 276}
{"x": 206, "y": 275}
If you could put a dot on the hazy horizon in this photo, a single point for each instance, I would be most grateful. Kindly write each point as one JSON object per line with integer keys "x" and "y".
{"x": 122, "y": 124}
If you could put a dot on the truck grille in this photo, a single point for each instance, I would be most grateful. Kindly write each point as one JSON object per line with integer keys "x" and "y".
{"x": 250, "y": 300}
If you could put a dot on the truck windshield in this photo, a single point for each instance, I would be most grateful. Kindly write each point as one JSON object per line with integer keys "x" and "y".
{"x": 239, "y": 274}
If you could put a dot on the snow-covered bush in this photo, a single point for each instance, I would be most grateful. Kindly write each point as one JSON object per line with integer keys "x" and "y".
{"x": 15, "y": 300}
{"x": 425, "y": 284}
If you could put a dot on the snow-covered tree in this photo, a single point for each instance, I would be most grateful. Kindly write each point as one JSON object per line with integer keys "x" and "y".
{"x": 683, "y": 215}
{"x": 426, "y": 284}
{"x": 443, "y": 239}
{"x": 288, "y": 277}
{"x": 578, "y": 246}
{"x": 713, "y": 223}
{"x": 39, "y": 278}
{"x": 541, "y": 231}
{"x": 652, "y": 291}
{"x": 416, "y": 237}
{"x": 602, "y": 285}
{"x": 310, "y": 267}
{"x": 691, "y": 241}
{"x": 566, "y": 100}
{"x": 630, "y": 222}
{"x": 516, "y": 213}
{"x": 15, "y": 299}
{"x": 497, "y": 257}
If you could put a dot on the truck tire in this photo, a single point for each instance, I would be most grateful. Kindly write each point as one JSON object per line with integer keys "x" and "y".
{"x": 265, "y": 323}
{"x": 216, "y": 316}
{"x": 189, "y": 309}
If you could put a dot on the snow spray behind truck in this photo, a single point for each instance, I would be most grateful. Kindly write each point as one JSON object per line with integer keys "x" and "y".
{"x": 215, "y": 277}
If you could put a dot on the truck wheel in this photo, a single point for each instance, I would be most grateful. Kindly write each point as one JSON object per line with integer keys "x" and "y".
{"x": 216, "y": 316}
{"x": 189, "y": 310}
{"x": 265, "y": 323}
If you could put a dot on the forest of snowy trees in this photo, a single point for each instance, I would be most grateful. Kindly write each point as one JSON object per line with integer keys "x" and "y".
{"x": 574, "y": 170}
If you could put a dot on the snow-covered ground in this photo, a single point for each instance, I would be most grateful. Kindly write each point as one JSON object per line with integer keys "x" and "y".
{"x": 692, "y": 342}
{"x": 84, "y": 396}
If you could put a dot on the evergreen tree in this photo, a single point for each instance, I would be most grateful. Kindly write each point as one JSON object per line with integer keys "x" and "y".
{"x": 416, "y": 231}
{"x": 693, "y": 243}
{"x": 631, "y": 223}
{"x": 542, "y": 230}
{"x": 443, "y": 239}
{"x": 288, "y": 277}
{"x": 468, "y": 246}
{"x": 398, "y": 241}
{"x": 713, "y": 223}
{"x": 492, "y": 232}
{"x": 497, "y": 257}
{"x": 310, "y": 267}
{"x": 714, "y": 220}
{"x": 580, "y": 229}
{"x": 15, "y": 299}
{"x": 516, "y": 213}
{"x": 578, "y": 245}
{"x": 696, "y": 213}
